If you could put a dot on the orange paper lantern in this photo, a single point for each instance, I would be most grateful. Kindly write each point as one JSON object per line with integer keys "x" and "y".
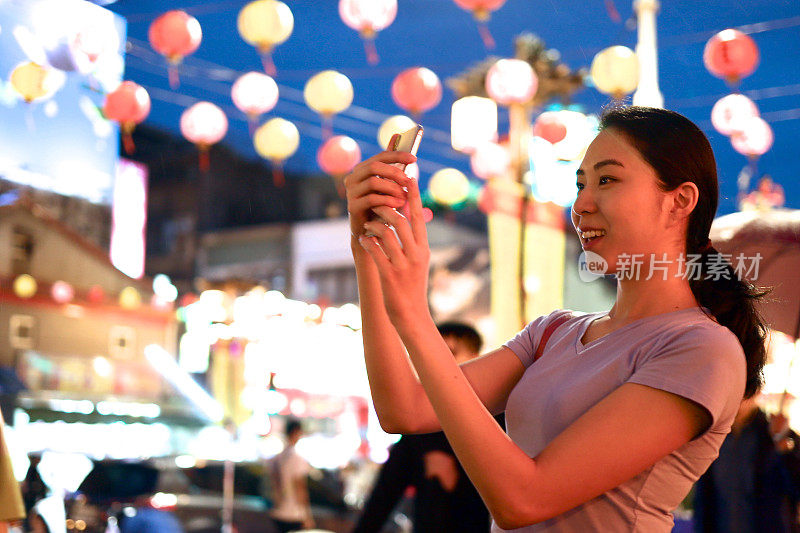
{"x": 175, "y": 35}
{"x": 417, "y": 90}
{"x": 731, "y": 55}
{"x": 128, "y": 105}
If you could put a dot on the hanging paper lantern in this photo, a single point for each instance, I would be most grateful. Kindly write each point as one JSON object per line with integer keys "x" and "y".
{"x": 754, "y": 139}
{"x": 265, "y": 24}
{"x": 392, "y": 125}
{"x": 511, "y": 81}
{"x": 490, "y": 160}
{"x": 550, "y": 127}
{"x": 276, "y": 140}
{"x": 449, "y": 186}
{"x": 204, "y": 124}
{"x": 129, "y": 298}
{"x": 33, "y": 81}
{"x": 62, "y": 292}
{"x": 731, "y": 112}
{"x": 731, "y": 55}
{"x": 96, "y": 294}
{"x": 615, "y": 71}
{"x": 128, "y": 105}
{"x": 338, "y": 155}
{"x": 96, "y": 39}
{"x": 417, "y": 90}
{"x": 175, "y": 35}
{"x": 368, "y": 17}
{"x": 25, "y": 286}
{"x": 581, "y": 130}
{"x": 481, "y": 10}
{"x": 473, "y": 123}
{"x": 254, "y": 94}
{"x": 328, "y": 93}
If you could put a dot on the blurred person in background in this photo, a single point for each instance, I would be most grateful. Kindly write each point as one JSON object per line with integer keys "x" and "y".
{"x": 754, "y": 485}
{"x": 12, "y": 509}
{"x": 289, "y": 476}
{"x": 445, "y": 499}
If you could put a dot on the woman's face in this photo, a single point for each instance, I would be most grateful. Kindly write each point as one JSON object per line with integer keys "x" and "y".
{"x": 618, "y": 195}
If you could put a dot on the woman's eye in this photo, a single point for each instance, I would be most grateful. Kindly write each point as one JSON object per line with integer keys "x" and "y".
{"x": 606, "y": 179}
{"x": 579, "y": 186}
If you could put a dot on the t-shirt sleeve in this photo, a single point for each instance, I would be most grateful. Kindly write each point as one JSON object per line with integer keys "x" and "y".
{"x": 701, "y": 364}
{"x": 525, "y": 342}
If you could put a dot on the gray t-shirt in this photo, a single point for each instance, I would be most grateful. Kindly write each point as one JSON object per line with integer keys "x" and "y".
{"x": 683, "y": 352}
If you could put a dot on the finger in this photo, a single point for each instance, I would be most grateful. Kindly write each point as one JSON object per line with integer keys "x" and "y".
{"x": 388, "y": 241}
{"x": 371, "y": 201}
{"x": 400, "y": 224}
{"x": 392, "y": 141}
{"x": 375, "y": 184}
{"x": 415, "y": 215}
{"x": 370, "y": 244}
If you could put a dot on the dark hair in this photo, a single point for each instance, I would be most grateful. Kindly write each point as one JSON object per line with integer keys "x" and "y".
{"x": 293, "y": 425}
{"x": 680, "y": 152}
{"x": 463, "y": 332}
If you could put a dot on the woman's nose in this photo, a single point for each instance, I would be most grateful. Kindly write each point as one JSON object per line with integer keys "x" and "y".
{"x": 584, "y": 203}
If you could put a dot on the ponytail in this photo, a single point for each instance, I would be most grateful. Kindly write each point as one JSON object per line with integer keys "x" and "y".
{"x": 732, "y": 302}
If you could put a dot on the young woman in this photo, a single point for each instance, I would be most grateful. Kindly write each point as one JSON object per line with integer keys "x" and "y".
{"x": 609, "y": 429}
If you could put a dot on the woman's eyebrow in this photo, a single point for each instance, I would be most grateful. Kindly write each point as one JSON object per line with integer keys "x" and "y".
{"x": 600, "y": 164}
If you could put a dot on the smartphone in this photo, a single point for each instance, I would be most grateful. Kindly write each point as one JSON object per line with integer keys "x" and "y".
{"x": 408, "y": 141}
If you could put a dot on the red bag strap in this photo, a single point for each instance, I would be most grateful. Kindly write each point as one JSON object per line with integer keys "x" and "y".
{"x": 551, "y": 327}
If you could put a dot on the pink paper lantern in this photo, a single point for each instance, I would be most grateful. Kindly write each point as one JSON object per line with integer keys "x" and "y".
{"x": 254, "y": 94}
{"x": 511, "y": 81}
{"x": 417, "y": 90}
{"x": 62, "y": 292}
{"x": 731, "y": 55}
{"x": 491, "y": 160}
{"x": 368, "y": 17}
{"x": 550, "y": 127}
{"x": 481, "y": 10}
{"x": 755, "y": 139}
{"x": 731, "y": 112}
{"x": 204, "y": 124}
{"x": 128, "y": 105}
{"x": 338, "y": 155}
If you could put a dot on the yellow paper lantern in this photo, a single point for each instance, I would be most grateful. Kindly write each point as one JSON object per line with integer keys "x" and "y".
{"x": 25, "y": 286}
{"x": 449, "y": 186}
{"x": 328, "y": 92}
{"x": 276, "y": 140}
{"x": 130, "y": 298}
{"x": 32, "y": 81}
{"x": 392, "y": 125}
{"x": 615, "y": 71}
{"x": 265, "y": 24}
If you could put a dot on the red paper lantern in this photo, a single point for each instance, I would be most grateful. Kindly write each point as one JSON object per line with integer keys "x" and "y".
{"x": 417, "y": 90}
{"x": 731, "y": 55}
{"x": 338, "y": 155}
{"x": 481, "y": 10}
{"x": 96, "y": 294}
{"x": 128, "y": 105}
{"x": 175, "y": 35}
{"x": 204, "y": 124}
{"x": 550, "y": 127}
{"x": 368, "y": 17}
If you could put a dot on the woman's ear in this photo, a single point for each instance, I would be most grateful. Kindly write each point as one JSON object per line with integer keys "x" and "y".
{"x": 684, "y": 199}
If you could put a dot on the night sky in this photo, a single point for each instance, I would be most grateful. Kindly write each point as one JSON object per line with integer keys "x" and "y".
{"x": 439, "y": 35}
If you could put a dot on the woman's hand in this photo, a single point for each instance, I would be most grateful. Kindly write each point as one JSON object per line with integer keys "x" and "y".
{"x": 375, "y": 182}
{"x": 399, "y": 248}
